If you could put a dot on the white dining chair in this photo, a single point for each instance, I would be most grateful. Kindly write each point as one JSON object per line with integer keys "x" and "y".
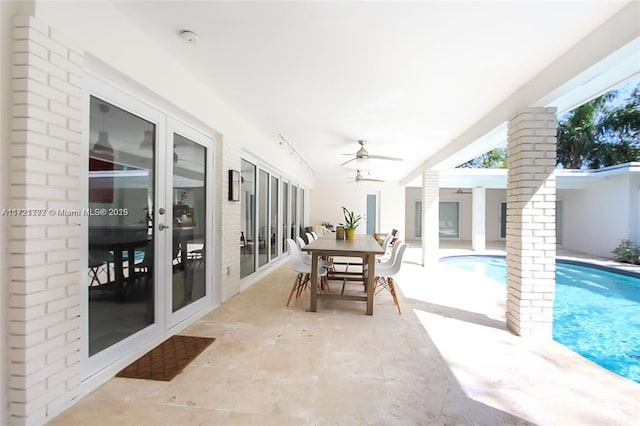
{"x": 310, "y": 237}
{"x": 306, "y": 257}
{"x": 304, "y": 271}
{"x": 385, "y": 272}
{"x": 385, "y": 246}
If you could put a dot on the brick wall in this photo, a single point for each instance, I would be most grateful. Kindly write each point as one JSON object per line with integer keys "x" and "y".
{"x": 531, "y": 226}
{"x": 43, "y": 247}
{"x": 430, "y": 216}
{"x": 230, "y": 283}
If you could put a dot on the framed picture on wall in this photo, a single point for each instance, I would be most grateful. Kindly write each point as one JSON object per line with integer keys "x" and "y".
{"x": 234, "y": 185}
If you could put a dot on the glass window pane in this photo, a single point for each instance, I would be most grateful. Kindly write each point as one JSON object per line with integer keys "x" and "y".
{"x": 294, "y": 211}
{"x": 285, "y": 216}
{"x": 302, "y": 217}
{"x": 248, "y": 217}
{"x": 189, "y": 222}
{"x": 263, "y": 217}
{"x": 274, "y": 217}
{"x": 121, "y": 247}
{"x": 449, "y": 219}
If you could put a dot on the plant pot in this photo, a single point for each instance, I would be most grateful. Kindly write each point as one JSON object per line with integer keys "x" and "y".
{"x": 350, "y": 233}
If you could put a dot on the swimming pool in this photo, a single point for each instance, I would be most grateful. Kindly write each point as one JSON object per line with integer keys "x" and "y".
{"x": 596, "y": 311}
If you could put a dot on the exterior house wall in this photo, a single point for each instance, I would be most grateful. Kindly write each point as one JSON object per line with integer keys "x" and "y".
{"x": 607, "y": 202}
{"x": 44, "y": 62}
{"x": 493, "y": 199}
{"x": 44, "y": 248}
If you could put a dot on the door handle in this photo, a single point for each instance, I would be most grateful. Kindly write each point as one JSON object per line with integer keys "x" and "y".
{"x": 162, "y": 226}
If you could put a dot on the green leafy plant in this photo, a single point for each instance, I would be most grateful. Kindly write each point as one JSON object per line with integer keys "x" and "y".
{"x": 350, "y": 219}
{"x": 627, "y": 252}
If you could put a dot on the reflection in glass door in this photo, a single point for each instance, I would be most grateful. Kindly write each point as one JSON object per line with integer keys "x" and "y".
{"x": 263, "y": 217}
{"x": 187, "y": 254}
{"x": 285, "y": 215}
{"x": 121, "y": 236}
{"x": 273, "y": 239}
{"x": 247, "y": 221}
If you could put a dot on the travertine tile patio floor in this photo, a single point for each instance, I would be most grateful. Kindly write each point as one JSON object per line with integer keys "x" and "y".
{"x": 447, "y": 360}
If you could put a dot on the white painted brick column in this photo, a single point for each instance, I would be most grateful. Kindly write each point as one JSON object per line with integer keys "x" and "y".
{"x": 430, "y": 217}
{"x": 531, "y": 215}
{"x": 478, "y": 220}
{"x": 43, "y": 245}
{"x": 230, "y": 232}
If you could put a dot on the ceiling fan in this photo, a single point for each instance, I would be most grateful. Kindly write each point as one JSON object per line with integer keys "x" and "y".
{"x": 461, "y": 192}
{"x": 363, "y": 154}
{"x": 360, "y": 178}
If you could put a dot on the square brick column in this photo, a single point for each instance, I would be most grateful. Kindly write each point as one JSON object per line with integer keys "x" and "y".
{"x": 531, "y": 222}
{"x": 45, "y": 157}
{"x": 430, "y": 217}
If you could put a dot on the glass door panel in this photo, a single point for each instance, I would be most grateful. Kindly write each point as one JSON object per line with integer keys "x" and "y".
{"x": 302, "y": 217}
{"x": 187, "y": 254}
{"x": 449, "y": 219}
{"x": 294, "y": 211}
{"x": 121, "y": 198}
{"x": 285, "y": 215}
{"x": 273, "y": 240}
{"x": 247, "y": 221}
{"x": 503, "y": 220}
{"x": 263, "y": 217}
{"x": 418, "y": 219}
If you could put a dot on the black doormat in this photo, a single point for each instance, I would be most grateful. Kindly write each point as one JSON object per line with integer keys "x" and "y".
{"x": 168, "y": 359}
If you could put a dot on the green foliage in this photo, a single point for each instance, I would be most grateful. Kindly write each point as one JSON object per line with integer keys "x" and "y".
{"x": 627, "y": 252}
{"x": 494, "y": 159}
{"x": 596, "y": 135}
{"x": 350, "y": 219}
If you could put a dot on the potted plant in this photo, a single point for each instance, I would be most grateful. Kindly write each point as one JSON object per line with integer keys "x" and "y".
{"x": 351, "y": 222}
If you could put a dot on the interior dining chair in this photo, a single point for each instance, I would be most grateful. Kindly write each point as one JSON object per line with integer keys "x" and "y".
{"x": 304, "y": 271}
{"x": 315, "y": 235}
{"x": 98, "y": 259}
{"x": 310, "y": 237}
{"x": 385, "y": 272}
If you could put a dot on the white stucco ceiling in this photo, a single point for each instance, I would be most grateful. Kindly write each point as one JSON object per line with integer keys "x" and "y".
{"x": 407, "y": 77}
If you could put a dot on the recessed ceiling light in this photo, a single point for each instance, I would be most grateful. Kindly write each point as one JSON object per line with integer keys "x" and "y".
{"x": 189, "y": 37}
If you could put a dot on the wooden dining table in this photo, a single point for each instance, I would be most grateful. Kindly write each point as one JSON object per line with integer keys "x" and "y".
{"x": 363, "y": 246}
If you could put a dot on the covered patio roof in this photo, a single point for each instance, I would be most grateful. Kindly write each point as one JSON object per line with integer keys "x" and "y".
{"x": 497, "y": 178}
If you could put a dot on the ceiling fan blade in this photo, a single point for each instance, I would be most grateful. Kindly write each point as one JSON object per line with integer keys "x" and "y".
{"x": 348, "y": 161}
{"x": 383, "y": 157}
{"x": 373, "y": 180}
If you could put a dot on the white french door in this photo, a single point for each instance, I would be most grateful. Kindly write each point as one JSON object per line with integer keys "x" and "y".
{"x": 148, "y": 248}
{"x": 189, "y": 238}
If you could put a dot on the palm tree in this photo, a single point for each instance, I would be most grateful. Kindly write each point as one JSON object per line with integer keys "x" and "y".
{"x": 580, "y": 132}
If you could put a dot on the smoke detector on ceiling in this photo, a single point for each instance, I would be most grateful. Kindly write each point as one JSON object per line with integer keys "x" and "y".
{"x": 189, "y": 37}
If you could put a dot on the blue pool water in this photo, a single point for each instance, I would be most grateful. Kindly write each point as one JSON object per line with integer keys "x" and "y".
{"x": 596, "y": 312}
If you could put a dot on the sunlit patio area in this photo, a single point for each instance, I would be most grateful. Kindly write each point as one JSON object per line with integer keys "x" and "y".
{"x": 448, "y": 359}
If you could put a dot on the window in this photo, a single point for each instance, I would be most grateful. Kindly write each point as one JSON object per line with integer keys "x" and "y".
{"x": 248, "y": 218}
{"x": 449, "y": 219}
